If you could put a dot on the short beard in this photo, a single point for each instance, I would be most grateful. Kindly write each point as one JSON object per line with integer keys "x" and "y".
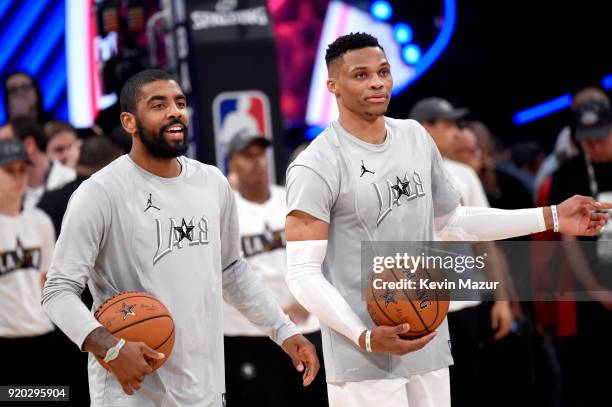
{"x": 157, "y": 145}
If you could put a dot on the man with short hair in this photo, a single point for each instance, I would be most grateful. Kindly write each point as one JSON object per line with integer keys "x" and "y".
{"x": 156, "y": 221}
{"x": 332, "y": 209}
{"x": 44, "y": 174}
{"x": 63, "y": 144}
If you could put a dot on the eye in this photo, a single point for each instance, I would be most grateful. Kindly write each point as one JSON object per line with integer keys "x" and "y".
{"x": 157, "y": 106}
{"x": 360, "y": 75}
{"x": 181, "y": 105}
{"x": 384, "y": 72}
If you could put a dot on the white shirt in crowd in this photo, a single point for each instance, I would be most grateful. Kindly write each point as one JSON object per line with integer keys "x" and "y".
{"x": 262, "y": 235}
{"x": 26, "y": 247}
{"x": 58, "y": 176}
{"x": 467, "y": 183}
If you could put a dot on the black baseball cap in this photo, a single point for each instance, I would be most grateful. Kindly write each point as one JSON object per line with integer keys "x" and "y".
{"x": 12, "y": 150}
{"x": 243, "y": 139}
{"x": 593, "y": 120}
{"x": 433, "y": 109}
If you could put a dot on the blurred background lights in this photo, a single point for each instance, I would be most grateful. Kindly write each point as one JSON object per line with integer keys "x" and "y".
{"x": 402, "y": 33}
{"x": 411, "y": 54}
{"x": 381, "y": 10}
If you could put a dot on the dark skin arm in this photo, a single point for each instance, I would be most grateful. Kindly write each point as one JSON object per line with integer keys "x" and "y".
{"x": 131, "y": 365}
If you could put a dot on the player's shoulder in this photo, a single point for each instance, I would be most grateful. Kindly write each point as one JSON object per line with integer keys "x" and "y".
{"x": 460, "y": 169}
{"x": 409, "y": 131}
{"x": 198, "y": 170}
{"x": 406, "y": 126}
{"x": 321, "y": 154}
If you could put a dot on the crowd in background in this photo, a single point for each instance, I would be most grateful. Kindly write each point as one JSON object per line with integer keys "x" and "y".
{"x": 545, "y": 349}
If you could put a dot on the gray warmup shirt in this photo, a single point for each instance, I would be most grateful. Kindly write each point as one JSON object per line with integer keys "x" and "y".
{"x": 353, "y": 186}
{"x": 178, "y": 238}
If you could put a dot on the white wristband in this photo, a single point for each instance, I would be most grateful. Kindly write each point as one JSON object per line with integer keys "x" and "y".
{"x": 113, "y": 352}
{"x": 555, "y": 217}
{"x": 368, "y": 344}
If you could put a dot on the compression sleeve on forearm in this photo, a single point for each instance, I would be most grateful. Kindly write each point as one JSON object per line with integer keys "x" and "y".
{"x": 472, "y": 223}
{"x": 308, "y": 285}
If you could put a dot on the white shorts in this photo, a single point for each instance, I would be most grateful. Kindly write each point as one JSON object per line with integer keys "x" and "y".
{"x": 429, "y": 390}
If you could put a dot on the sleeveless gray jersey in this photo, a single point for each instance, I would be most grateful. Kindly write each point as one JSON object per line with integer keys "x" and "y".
{"x": 354, "y": 186}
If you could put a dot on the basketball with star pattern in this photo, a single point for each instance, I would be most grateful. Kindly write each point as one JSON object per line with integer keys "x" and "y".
{"x": 138, "y": 317}
{"x": 396, "y": 296}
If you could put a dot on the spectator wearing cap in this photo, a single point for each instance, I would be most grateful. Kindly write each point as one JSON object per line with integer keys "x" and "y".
{"x": 44, "y": 174}
{"x": 256, "y": 373}
{"x": 26, "y": 247}
{"x": 439, "y": 118}
{"x": 589, "y": 174}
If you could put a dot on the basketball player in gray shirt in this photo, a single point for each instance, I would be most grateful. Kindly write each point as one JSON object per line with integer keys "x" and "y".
{"x": 158, "y": 222}
{"x": 368, "y": 177}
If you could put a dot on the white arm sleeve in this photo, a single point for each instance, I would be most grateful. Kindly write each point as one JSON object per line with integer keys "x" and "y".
{"x": 308, "y": 285}
{"x": 471, "y": 223}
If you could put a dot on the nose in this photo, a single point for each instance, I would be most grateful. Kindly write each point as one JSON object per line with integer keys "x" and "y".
{"x": 174, "y": 112}
{"x": 376, "y": 82}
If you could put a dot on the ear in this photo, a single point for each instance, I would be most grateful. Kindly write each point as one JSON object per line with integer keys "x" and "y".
{"x": 231, "y": 166}
{"x": 30, "y": 146}
{"x": 128, "y": 122}
{"x": 332, "y": 85}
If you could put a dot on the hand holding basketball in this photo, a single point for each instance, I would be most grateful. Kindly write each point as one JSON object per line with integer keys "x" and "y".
{"x": 387, "y": 339}
{"x": 132, "y": 365}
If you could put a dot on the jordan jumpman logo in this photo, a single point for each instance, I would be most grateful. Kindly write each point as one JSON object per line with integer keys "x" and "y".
{"x": 150, "y": 204}
{"x": 364, "y": 170}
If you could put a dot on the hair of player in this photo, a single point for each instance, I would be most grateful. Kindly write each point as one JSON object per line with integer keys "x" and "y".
{"x": 349, "y": 42}
{"x": 131, "y": 90}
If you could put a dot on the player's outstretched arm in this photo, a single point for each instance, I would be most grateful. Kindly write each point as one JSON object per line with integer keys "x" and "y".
{"x": 578, "y": 215}
{"x": 306, "y": 247}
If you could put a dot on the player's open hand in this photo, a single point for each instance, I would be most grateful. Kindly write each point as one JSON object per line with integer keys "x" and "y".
{"x": 131, "y": 365}
{"x": 387, "y": 339}
{"x": 302, "y": 352}
{"x": 578, "y": 216}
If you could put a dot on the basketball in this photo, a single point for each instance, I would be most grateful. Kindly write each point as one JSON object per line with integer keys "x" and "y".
{"x": 394, "y": 303}
{"x": 138, "y": 317}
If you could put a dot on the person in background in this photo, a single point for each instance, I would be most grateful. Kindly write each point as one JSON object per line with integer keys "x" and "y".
{"x": 471, "y": 322}
{"x": 466, "y": 150}
{"x": 590, "y": 263}
{"x": 44, "y": 174}
{"x": 63, "y": 144}
{"x": 22, "y": 98}
{"x": 96, "y": 153}
{"x": 26, "y": 247}
{"x": 256, "y": 369}
{"x": 503, "y": 190}
{"x": 565, "y": 147}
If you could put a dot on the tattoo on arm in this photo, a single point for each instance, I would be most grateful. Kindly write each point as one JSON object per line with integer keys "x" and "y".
{"x": 99, "y": 342}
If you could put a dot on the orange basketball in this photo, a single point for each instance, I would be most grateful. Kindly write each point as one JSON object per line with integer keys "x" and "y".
{"x": 396, "y": 303}
{"x": 138, "y": 317}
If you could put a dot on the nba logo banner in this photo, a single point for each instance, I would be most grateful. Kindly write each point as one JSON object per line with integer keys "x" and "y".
{"x": 238, "y": 111}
